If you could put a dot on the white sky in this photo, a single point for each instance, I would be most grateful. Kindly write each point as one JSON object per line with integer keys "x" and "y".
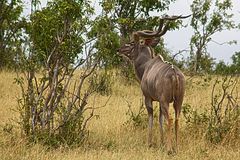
{"x": 179, "y": 39}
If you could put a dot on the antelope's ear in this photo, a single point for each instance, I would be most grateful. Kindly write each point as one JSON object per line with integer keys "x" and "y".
{"x": 152, "y": 42}
{"x": 135, "y": 37}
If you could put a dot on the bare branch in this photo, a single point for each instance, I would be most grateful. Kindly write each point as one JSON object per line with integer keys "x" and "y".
{"x": 179, "y": 52}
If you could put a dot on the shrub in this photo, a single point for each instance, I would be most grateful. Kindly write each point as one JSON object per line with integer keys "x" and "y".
{"x": 221, "y": 124}
{"x": 55, "y": 114}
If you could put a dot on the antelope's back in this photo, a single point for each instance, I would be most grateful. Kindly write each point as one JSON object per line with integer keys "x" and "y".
{"x": 162, "y": 82}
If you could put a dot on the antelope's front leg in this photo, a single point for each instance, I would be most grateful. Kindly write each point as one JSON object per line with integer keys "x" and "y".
{"x": 148, "y": 103}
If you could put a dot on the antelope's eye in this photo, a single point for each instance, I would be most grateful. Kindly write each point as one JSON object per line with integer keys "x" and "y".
{"x": 142, "y": 42}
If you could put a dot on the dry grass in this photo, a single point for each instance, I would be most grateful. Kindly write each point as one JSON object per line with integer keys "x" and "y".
{"x": 109, "y": 138}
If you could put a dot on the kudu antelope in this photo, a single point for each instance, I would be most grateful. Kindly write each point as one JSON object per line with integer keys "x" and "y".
{"x": 160, "y": 81}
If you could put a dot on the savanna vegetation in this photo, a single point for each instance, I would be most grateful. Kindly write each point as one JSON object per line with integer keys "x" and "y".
{"x": 65, "y": 93}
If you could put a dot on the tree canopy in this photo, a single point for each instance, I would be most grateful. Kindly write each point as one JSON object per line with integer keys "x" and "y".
{"x": 66, "y": 26}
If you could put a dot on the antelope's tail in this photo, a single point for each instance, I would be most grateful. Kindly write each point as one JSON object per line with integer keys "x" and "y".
{"x": 175, "y": 83}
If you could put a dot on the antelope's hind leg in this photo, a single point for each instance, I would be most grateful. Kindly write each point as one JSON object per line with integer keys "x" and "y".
{"x": 177, "y": 107}
{"x": 161, "y": 125}
{"x": 165, "y": 112}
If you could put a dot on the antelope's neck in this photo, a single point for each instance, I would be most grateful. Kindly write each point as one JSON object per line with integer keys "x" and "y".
{"x": 141, "y": 62}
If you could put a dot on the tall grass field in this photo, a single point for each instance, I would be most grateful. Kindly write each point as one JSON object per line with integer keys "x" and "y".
{"x": 113, "y": 134}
